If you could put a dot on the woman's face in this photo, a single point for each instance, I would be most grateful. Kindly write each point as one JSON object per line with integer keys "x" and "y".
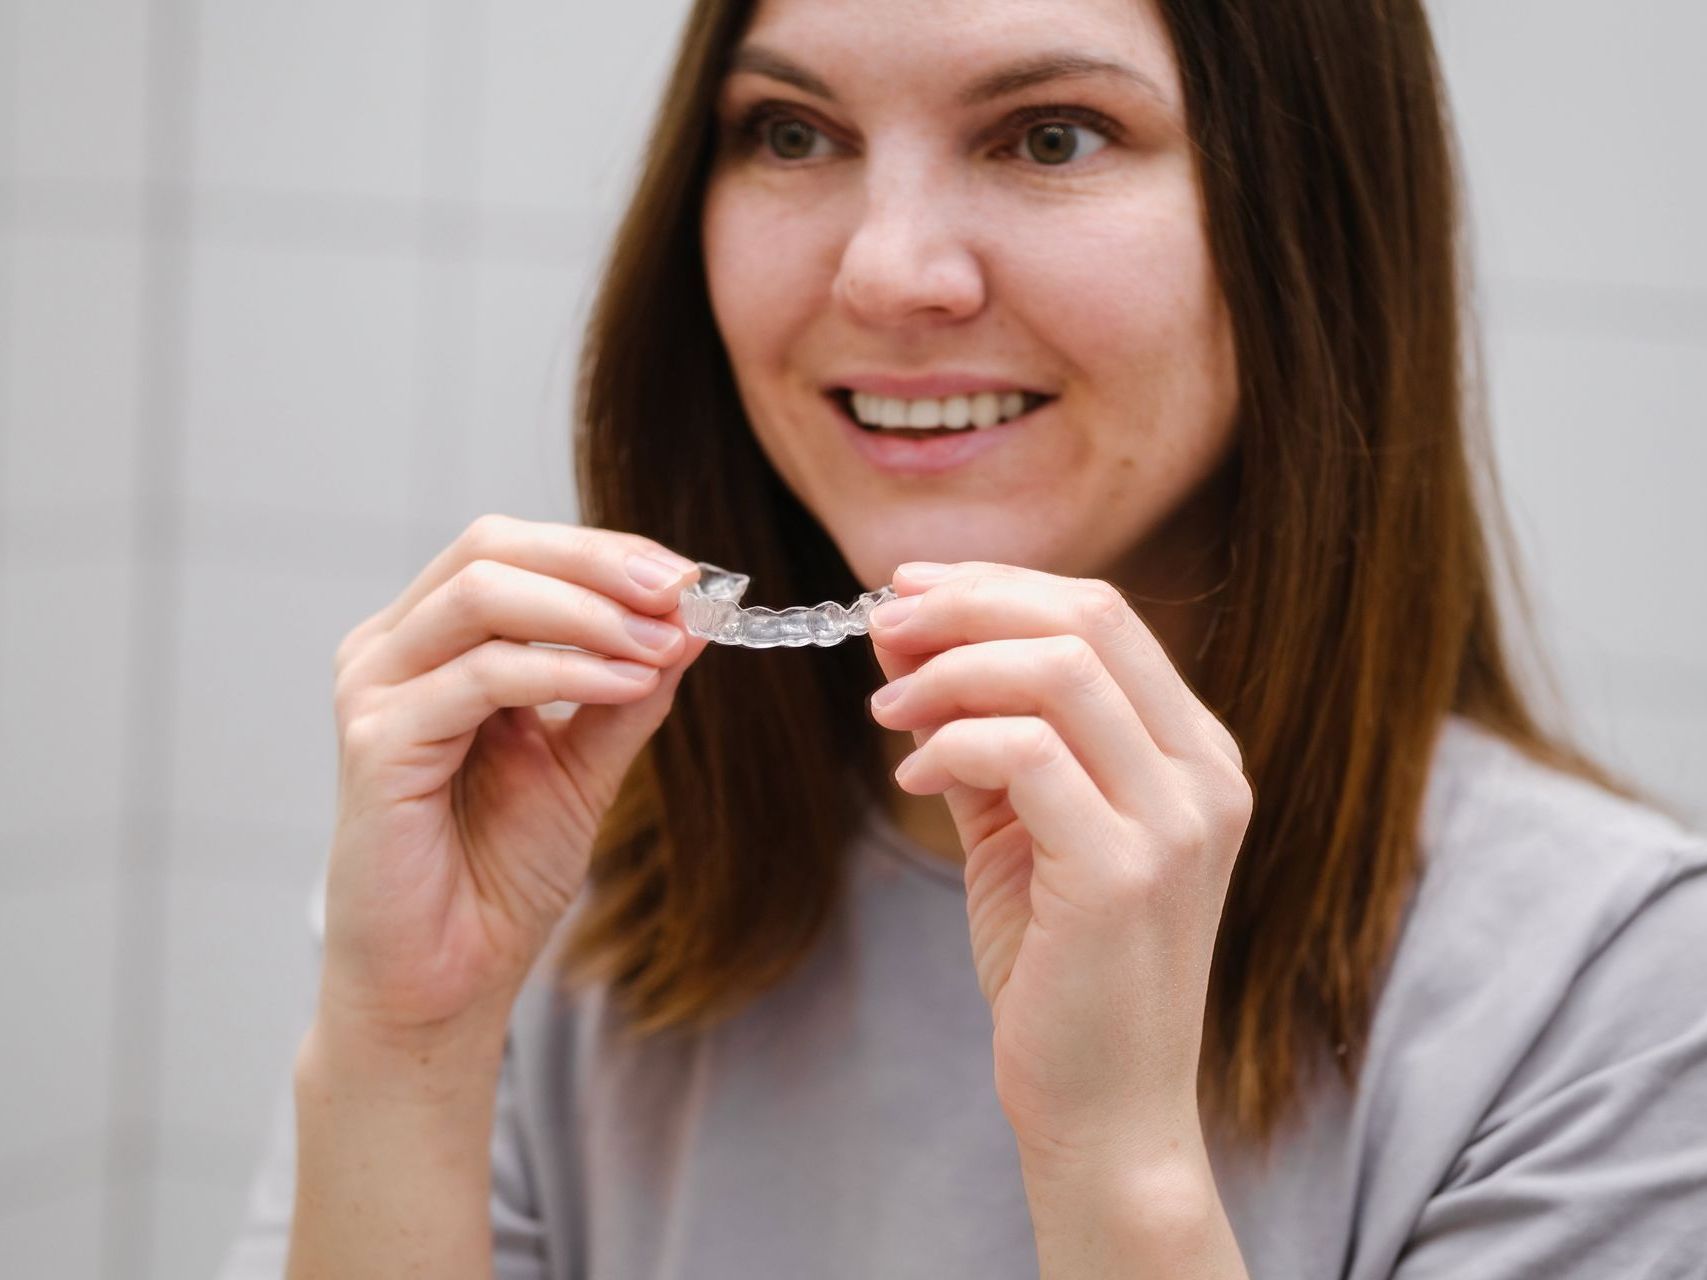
{"x": 925, "y": 202}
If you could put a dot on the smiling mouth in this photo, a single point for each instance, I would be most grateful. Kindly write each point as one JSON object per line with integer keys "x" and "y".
{"x": 844, "y": 400}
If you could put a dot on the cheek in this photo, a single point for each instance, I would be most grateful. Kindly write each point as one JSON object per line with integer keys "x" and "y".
{"x": 761, "y": 304}
{"x": 753, "y": 273}
{"x": 1128, "y": 292}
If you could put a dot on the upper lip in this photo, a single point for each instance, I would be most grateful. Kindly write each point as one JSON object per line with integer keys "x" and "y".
{"x": 929, "y": 386}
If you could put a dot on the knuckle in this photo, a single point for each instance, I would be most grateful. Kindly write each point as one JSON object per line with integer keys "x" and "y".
{"x": 1224, "y": 739}
{"x": 941, "y": 671}
{"x": 484, "y": 663}
{"x": 1224, "y": 771}
{"x": 1101, "y": 607}
{"x": 583, "y": 543}
{"x": 951, "y": 597}
{"x": 346, "y": 700}
{"x": 1235, "y": 754}
{"x": 1076, "y": 664}
{"x": 485, "y": 534}
{"x": 1235, "y": 802}
{"x": 948, "y": 737}
{"x": 1188, "y": 832}
{"x": 483, "y": 669}
{"x": 1036, "y": 742}
{"x": 363, "y": 737}
{"x": 586, "y": 546}
{"x": 1197, "y": 837}
{"x": 342, "y": 654}
{"x": 593, "y": 609}
{"x": 471, "y": 588}
{"x": 1135, "y": 875}
{"x": 1137, "y": 881}
{"x": 355, "y": 639}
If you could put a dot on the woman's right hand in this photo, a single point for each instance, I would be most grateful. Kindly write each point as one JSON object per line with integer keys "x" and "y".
{"x": 465, "y": 820}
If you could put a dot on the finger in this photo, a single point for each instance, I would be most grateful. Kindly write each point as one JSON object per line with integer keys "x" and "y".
{"x": 895, "y": 664}
{"x": 455, "y": 698}
{"x": 606, "y": 737}
{"x": 1050, "y": 793}
{"x": 591, "y": 556}
{"x": 980, "y": 600}
{"x": 490, "y": 599}
{"x": 1060, "y": 679}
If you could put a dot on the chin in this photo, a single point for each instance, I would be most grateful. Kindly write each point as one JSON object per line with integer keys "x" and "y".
{"x": 873, "y": 553}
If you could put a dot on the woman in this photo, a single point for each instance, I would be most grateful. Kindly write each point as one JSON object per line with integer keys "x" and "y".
{"x": 1297, "y": 946}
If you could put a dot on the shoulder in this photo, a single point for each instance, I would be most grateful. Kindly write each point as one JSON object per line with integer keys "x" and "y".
{"x": 1542, "y": 1006}
{"x": 1550, "y": 915}
{"x": 1540, "y": 1038}
{"x": 1515, "y": 846}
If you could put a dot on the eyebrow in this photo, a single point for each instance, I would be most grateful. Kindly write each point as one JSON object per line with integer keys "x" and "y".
{"x": 1023, "y": 74}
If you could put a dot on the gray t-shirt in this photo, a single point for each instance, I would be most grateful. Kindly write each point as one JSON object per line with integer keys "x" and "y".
{"x": 1534, "y": 1101}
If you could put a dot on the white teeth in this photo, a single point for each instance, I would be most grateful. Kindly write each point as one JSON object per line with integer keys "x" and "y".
{"x": 985, "y": 409}
{"x": 924, "y": 413}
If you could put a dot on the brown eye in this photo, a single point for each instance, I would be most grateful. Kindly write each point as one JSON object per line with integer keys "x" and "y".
{"x": 1051, "y": 143}
{"x": 790, "y": 139}
{"x": 1054, "y": 135}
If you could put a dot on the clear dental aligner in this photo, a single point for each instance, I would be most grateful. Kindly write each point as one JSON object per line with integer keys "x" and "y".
{"x": 711, "y": 608}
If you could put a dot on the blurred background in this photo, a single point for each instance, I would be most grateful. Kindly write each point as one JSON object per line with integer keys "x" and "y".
{"x": 290, "y": 293}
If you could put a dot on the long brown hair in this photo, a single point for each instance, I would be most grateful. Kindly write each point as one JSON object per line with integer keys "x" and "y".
{"x": 1360, "y": 608}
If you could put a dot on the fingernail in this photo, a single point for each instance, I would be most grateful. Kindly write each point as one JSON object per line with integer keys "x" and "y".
{"x": 906, "y": 766}
{"x": 651, "y": 573}
{"x": 680, "y": 562}
{"x": 924, "y": 570}
{"x": 889, "y": 692}
{"x": 891, "y": 612}
{"x": 652, "y": 633}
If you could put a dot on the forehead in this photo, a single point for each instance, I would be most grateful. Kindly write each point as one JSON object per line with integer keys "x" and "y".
{"x": 948, "y": 42}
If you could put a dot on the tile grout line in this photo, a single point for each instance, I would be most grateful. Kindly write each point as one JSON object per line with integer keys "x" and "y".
{"x": 133, "y": 1151}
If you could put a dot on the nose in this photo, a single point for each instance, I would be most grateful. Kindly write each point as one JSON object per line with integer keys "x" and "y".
{"x": 907, "y": 260}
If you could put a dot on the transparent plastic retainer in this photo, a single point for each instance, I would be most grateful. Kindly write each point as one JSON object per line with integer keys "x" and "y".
{"x": 711, "y": 608}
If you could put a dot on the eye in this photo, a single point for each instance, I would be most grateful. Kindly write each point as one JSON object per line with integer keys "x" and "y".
{"x": 790, "y": 139}
{"x": 1052, "y": 136}
{"x": 1055, "y": 144}
{"x": 770, "y": 127}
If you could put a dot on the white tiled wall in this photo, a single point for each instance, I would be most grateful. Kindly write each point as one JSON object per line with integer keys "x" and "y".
{"x": 289, "y": 292}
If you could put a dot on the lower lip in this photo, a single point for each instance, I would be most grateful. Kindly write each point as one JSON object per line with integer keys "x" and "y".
{"x": 903, "y": 456}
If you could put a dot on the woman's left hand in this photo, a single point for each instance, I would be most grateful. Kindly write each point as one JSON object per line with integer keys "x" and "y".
{"x": 1100, "y": 807}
